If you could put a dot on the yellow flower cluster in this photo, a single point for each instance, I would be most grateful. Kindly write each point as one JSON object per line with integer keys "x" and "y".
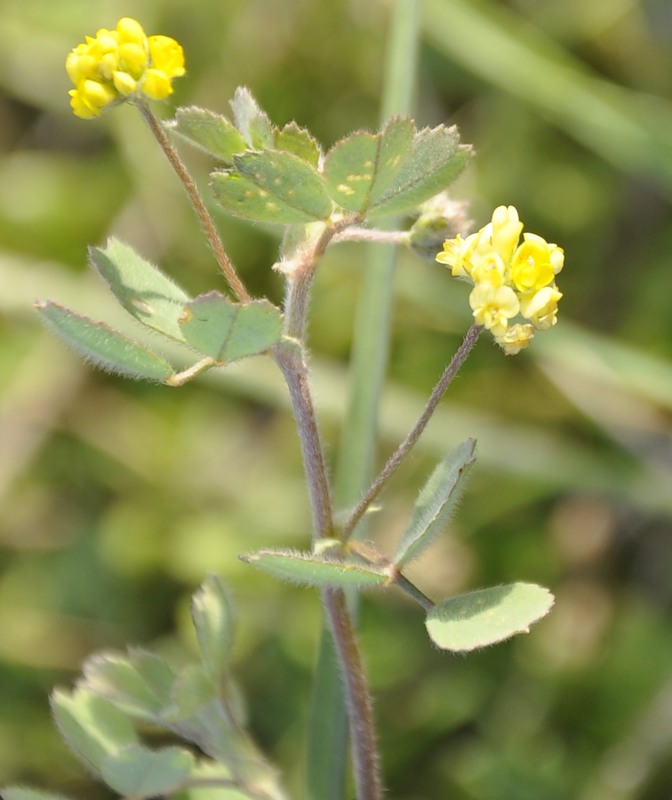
{"x": 511, "y": 278}
{"x": 119, "y": 64}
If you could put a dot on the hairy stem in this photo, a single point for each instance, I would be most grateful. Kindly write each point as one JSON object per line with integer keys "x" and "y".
{"x": 207, "y": 223}
{"x": 413, "y": 592}
{"x": 356, "y": 234}
{"x": 292, "y": 363}
{"x": 291, "y": 358}
{"x": 360, "y": 707}
{"x": 399, "y": 454}
{"x": 300, "y": 272}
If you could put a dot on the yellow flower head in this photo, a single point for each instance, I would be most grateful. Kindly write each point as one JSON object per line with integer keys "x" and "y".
{"x": 511, "y": 278}
{"x": 122, "y": 63}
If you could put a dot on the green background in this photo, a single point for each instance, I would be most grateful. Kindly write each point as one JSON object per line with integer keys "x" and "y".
{"x": 117, "y": 498}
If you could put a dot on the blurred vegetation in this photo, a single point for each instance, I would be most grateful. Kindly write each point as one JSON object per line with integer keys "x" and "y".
{"x": 117, "y": 497}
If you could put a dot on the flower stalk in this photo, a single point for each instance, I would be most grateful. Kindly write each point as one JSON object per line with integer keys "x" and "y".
{"x": 414, "y": 434}
{"x": 204, "y": 217}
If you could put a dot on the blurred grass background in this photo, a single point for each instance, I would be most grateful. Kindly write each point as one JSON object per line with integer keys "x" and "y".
{"x": 118, "y": 497}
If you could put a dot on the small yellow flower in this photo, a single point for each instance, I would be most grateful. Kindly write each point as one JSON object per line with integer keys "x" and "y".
{"x": 122, "y": 63}
{"x": 541, "y": 307}
{"x": 167, "y": 56}
{"x": 457, "y": 254}
{"x": 506, "y": 229}
{"x": 516, "y": 338}
{"x": 156, "y": 84}
{"x": 511, "y": 278}
{"x": 493, "y": 306}
{"x": 531, "y": 267}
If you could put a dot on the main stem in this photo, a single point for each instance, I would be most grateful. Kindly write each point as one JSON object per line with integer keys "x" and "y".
{"x": 290, "y": 357}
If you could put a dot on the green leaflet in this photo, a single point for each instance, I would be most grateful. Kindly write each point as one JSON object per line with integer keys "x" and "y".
{"x": 210, "y": 132}
{"x": 312, "y": 569}
{"x": 140, "y": 287}
{"x": 227, "y": 331}
{"x": 436, "y": 503}
{"x": 487, "y": 616}
{"x": 394, "y": 170}
{"x": 274, "y": 186}
{"x": 103, "y": 345}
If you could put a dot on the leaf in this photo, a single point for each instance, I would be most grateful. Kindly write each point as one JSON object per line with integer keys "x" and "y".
{"x": 487, "y": 616}
{"x": 24, "y": 793}
{"x": 210, "y": 132}
{"x": 91, "y": 726}
{"x": 227, "y": 331}
{"x": 311, "y": 569}
{"x": 213, "y": 620}
{"x": 362, "y": 162}
{"x": 435, "y": 159}
{"x": 140, "y": 685}
{"x": 139, "y": 772}
{"x": 272, "y": 186}
{"x": 253, "y": 124}
{"x": 298, "y": 141}
{"x": 104, "y": 346}
{"x": 436, "y": 502}
{"x": 141, "y": 288}
{"x": 393, "y": 170}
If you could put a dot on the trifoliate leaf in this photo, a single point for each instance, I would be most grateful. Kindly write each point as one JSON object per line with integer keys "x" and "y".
{"x": 312, "y": 569}
{"x": 104, "y": 346}
{"x": 436, "y": 503}
{"x": 227, "y": 331}
{"x": 210, "y": 132}
{"x": 487, "y": 616}
{"x": 141, "y": 288}
{"x": 272, "y": 186}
